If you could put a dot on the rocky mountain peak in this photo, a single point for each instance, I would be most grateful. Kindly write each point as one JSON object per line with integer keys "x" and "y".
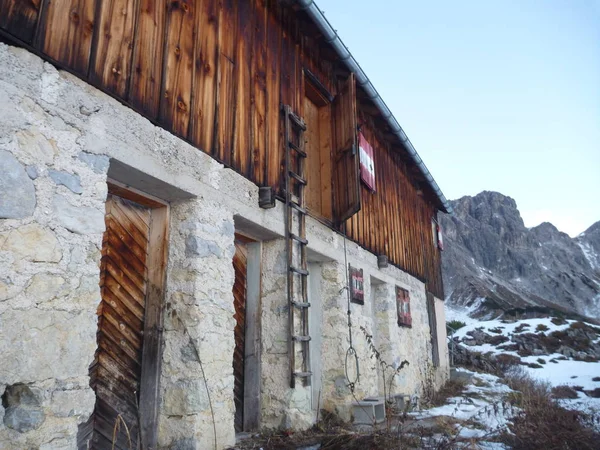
{"x": 491, "y": 258}
{"x": 546, "y": 232}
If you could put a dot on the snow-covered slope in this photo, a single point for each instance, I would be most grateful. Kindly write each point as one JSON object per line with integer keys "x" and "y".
{"x": 561, "y": 352}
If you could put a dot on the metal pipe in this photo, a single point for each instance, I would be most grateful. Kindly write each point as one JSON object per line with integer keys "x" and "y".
{"x": 344, "y": 54}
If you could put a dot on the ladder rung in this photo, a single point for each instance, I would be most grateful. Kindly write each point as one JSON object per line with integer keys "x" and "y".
{"x": 298, "y": 149}
{"x": 301, "y": 305}
{"x": 299, "y": 271}
{"x": 297, "y": 121}
{"x": 301, "y": 338}
{"x": 298, "y": 238}
{"x": 297, "y": 177}
{"x": 303, "y": 374}
{"x": 297, "y": 207}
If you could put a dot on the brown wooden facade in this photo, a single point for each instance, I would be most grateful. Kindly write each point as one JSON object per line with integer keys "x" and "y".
{"x": 216, "y": 73}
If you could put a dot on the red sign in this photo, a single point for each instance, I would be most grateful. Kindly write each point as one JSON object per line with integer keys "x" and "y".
{"x": 357, "y": 289}
{"x": 367, "y": 163}
{"x": 403, "y": 306}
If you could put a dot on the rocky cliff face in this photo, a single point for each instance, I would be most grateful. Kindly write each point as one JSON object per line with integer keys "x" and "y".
{"x": 494, "y": 265}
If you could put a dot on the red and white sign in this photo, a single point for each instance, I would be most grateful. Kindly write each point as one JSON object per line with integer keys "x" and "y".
{"x": 367, "y": 164}
{"x": 357, "y": 289}
{"x": 440, "y": 239}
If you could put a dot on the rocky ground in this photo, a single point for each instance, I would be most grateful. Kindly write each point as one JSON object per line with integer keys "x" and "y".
{"x": 564, "y": 353}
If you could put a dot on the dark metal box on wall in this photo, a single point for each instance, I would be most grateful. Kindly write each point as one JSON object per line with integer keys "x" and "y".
{"x": 357, "y": 289}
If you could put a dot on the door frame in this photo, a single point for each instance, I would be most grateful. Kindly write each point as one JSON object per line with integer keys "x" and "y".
{"x": 253, "y": 349}
{"x": 158, "y": 251}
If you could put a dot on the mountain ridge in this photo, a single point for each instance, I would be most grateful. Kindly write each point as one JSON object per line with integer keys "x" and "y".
{"x": 496, "y": 266}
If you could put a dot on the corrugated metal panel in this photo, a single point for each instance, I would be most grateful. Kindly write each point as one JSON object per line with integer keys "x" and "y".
{"x": 116, "y": 371}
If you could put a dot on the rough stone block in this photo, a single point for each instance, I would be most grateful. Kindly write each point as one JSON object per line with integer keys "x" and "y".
{"x": 32, "y": 243}
{"x": 70, "y": 403}
{"x": 185, "y": 397}
{"x": 198, "y": 247}
{"x": 71, "y": 181}
{"x": 35, "y": 148}
{"x": 23, "y": 411}
{"x": 32, "y": 171}
{"x": 17, "y": 192}
{"x": 80, "y": 220}
{"x": 44, "y": 287}
{"x": 98, "y": 163}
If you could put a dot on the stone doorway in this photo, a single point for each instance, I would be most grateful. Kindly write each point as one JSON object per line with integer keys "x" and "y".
{"x": 125, "y": 371}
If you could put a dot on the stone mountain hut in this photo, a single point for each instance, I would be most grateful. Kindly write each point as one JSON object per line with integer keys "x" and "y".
{"x": 196, "y": 198}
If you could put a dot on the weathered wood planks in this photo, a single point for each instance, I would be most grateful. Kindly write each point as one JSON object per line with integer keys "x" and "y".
{"x": 146, "y": 78}
{"x": 216, "y": 73}
{"x": 67, "y": 32}
{"x": 178, "y": 65}
{"x": 207, "y": 57}
{"x": 111, "y": 55}
{"x": 20, "y": 17}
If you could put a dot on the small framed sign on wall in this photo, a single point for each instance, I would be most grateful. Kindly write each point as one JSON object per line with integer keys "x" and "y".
{"x": 357, "y": 289}
{"x": 403, "y": 307}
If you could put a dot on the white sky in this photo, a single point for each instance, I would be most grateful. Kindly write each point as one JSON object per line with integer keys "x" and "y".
{"x": 494, "y": 95}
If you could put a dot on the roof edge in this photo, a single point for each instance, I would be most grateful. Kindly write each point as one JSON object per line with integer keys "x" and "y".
{"x": 335, "y": 41}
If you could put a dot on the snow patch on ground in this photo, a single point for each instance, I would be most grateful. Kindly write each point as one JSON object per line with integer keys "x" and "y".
{"x": 463, "y": 313}
{"x": 554, "y": 369}
{"x": 481, "y": 408}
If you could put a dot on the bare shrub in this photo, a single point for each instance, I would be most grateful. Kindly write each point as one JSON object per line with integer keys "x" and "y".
{"x": 521, "y": 327}
{"x": 558, "y": 321}
{"x": 564, "y": 391}
{"x": 541, "y": 327}
{"x": 452, "y": 388}
{"x": 594, "y": 393}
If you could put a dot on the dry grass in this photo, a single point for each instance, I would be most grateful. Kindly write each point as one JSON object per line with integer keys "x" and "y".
{"x": 564, "y": 391}
{"x": 542, "y": 423}
{"x": 452, "y": 388}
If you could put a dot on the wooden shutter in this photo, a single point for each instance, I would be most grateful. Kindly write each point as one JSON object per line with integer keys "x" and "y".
{"x": 346, "y": 180}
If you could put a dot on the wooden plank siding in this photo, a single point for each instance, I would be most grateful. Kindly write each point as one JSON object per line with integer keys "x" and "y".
{"x": 216, "y": 73}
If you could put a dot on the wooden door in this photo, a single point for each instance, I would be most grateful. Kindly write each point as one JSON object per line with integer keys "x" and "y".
{"x": 346, "y": 180}
{"x": 240, "y": 260}
{"x": 317, "y": 117}
{"x": 124, "y": 373}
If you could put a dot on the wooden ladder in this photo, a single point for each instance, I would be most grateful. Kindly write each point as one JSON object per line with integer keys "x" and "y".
{"x": 295, "y": 202}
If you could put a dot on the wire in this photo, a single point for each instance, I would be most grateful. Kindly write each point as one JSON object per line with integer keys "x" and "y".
{"x": 212, "y": 412}
{"x": 351, "y": 352}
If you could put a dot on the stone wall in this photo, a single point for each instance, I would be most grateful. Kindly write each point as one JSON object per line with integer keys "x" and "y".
{"x": 52, "y": 195}
{"x": 292, "y": 408}
{"x": 198, "y": 327}
{"x": 59, "y": 141}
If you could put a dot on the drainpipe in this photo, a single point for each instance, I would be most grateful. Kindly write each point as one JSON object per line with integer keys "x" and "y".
{"x": 332, "y": 38}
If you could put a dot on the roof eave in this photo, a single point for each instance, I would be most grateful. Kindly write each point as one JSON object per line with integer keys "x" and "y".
{"x": 331, "y": 37}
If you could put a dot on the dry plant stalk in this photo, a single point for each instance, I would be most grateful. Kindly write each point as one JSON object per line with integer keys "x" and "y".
{"x": 116, "y": 430}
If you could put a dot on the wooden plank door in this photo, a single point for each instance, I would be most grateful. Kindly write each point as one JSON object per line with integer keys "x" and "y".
{"x": 133, "y": 242}
{"x": 240, "y": 260}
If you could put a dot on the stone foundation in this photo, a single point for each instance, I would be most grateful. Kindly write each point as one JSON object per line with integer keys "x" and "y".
{"x": 60, "y": 140}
